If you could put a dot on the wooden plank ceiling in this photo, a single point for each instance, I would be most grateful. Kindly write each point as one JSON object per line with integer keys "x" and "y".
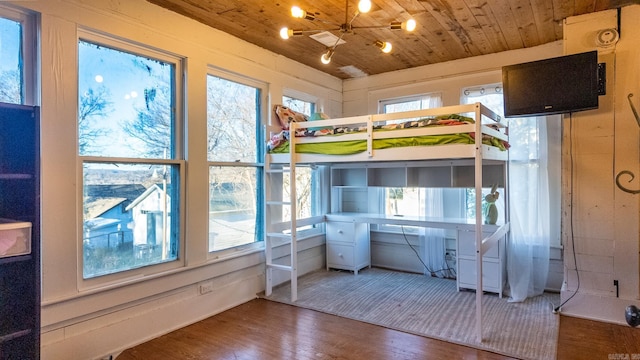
{"x": 447, "y": 29}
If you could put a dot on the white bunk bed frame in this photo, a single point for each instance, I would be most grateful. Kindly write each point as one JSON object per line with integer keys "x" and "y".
{"x": 485, "y": 123}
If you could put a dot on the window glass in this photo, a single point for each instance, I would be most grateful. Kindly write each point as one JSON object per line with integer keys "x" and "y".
{"x": 128, "y": 146}
{"x": 130, "y": 212}
{"x": 306, "y": 191}
{"x": 235, "y": 173}
{"x": 233, "y": 119}
{"x": 232, "y": 208}
{"x": 407, "y": 201}
{"x": 125, "y": 104}
{"x": 531, "y": 162}
{"x": 301, "y": 106}
{"x": 11, "y": 61}
{"x": 410, "y": 103}
{"x": 491, "y": 97}
{"x": 307, "y": 186}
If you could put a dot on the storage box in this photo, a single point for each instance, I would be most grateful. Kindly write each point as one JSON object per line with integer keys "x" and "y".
{"x": 15, "y": 238}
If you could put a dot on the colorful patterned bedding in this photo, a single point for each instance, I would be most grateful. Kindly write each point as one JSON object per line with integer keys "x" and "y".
{"x": 279, "y": 143}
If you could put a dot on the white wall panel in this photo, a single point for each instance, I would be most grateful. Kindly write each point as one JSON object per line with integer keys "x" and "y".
{"x": 598, "y": 144}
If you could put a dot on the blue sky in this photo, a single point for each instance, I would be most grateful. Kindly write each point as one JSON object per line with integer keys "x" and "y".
{"x": 126, "y": 77}
{"x": 9, "y": 44}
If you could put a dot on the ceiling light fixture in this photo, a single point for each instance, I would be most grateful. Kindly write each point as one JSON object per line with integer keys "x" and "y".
{"x": 326, "y": 57}
{"x": 384, "y": 46}
{"x": 364, "y": 6}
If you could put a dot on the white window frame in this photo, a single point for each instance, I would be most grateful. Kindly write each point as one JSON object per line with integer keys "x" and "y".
{"x": 264, "y": 95}
{"x": 381, "y": 192}
{"x": 404, "y": 99}
{"x": 319, "y": 228}
{"x": 178, "y": 160}
{"x": 30, "y": 80}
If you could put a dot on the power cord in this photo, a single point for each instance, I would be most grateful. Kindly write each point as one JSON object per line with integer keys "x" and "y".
{"x": 447, "y": 272}
{"x": 573, "y": 243}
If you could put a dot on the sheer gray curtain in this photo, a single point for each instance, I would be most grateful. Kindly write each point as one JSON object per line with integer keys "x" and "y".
{"x": 433, "y": 240}
{"x": 529, "y": 205}
{"x": 528, "y": 246}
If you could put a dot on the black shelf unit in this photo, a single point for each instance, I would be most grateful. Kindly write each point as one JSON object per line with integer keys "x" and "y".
{"x": 20, "y": 200}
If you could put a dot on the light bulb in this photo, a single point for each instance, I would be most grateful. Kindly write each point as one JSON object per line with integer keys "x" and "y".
{"x": 326, "y": 57}
{"x": 409, "y": 25}
{"x": 296, "y": 12}
{"x": 285, "y": 33}
{"x": 364, "y": 6}
{"x": 385, "y": 46}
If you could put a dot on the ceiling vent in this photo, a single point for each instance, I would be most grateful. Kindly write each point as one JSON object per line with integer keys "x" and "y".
{"x": 353, "y": 71}
{"x": 327, "y": 39}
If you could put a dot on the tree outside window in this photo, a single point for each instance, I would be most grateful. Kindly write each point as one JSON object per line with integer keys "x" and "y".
{"x": 10, "y": 61}
{"x": 307, "y": 189}
{"x": 235, "y": 176}
{"x": 127, "y": 142}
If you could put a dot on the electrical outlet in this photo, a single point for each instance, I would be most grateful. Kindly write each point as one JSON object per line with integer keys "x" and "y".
{"x": 205, "y": 287}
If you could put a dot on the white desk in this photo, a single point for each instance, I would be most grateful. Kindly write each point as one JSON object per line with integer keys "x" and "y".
{"x": 348, "y": 245}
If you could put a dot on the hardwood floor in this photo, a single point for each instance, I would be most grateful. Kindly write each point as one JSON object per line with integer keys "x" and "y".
{"x": 587, "y": 339}
{"x": 262, "y": 329}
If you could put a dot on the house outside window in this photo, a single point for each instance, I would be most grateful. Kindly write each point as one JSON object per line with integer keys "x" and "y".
{"x": 234, "y": 152}
{"x": 131, "y": 156}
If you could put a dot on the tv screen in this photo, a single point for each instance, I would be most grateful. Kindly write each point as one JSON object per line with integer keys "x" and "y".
{"x": 552, "y": 86}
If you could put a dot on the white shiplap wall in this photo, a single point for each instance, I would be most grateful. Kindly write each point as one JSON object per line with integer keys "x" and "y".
{"x": 601, "y": 221}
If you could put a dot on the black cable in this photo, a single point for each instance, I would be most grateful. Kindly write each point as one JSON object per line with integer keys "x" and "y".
{"x": 573, "y": 243}
{"x": 432, "y": 272}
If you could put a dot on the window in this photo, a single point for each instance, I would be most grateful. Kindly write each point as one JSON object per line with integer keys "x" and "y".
{"x": 234, "y": 132}
{"x": 130, "y": 148}
{"x": 491, "y": 97}
{"x": 534, "y": 156}
{"x": 16, "y": 58}
{"x": 406, "y": 201}
{"x": 307, "y": 177}
{"x": 410, "y": 103}
{"x": 301, "y": 106}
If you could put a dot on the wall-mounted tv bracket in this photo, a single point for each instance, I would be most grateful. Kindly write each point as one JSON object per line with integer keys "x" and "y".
{"x": 602, "y": 79}
{"x": 627, "y": 172}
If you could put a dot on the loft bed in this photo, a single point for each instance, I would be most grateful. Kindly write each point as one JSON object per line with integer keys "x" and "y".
{"x": 442, "y": 134}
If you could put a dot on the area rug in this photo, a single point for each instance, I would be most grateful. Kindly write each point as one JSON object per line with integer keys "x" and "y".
{"x": 431, "y": 307}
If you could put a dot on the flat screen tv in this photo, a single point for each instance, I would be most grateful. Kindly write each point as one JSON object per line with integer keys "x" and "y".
{"x": 558, "y": 85}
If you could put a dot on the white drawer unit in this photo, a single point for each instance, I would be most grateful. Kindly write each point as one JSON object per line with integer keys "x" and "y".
{"x": 493, "y": 264}
{"x": 348, "y": 246}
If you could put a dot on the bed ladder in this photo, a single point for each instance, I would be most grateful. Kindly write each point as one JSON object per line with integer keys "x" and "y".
{"x": 284, "y": 232}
